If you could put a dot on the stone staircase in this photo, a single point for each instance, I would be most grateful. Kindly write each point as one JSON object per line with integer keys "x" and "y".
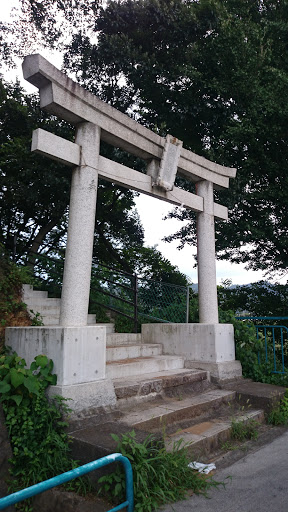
{"x": 154, "y": 393}
{"x": 49, "y": 308}
{"x": 157, "y": 395}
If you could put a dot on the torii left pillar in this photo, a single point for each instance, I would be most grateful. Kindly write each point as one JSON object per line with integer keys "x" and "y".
{"x": 78, "y": 350}
{"x": 82, "y": 212}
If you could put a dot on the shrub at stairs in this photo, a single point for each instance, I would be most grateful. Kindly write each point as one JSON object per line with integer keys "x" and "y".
{"x": 159, "y": 476}
{"x": 39, "y": 443}
{"x": 250, "y": 350}
{"x": 13, "y": 311}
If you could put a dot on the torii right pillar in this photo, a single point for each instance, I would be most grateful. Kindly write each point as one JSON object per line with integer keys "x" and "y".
{"x": 206, "y": 256}
{"x": 207, "y": 345}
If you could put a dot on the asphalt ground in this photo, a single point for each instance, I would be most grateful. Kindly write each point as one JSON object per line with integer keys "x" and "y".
{"x": 256, "y": 483}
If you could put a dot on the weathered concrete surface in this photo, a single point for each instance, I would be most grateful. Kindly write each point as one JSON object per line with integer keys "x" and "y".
{"x": 86, "y": 396}
{"x": 209, "y": 343}
{"x": 255, "y": 483}
{"x": 141, "y": 365}
{"x": 206, "y": 437}
{"x": 205, "y": 346}
{"x": 218, "y": 371}
{"x": 157, "y": 415}
{"x": 257, "y": 394}
{"x": 78, "y": 353}
{"x": 167, "y": 382}
{"x": 66, "y": 99}
{"x": 61, "y": 501}
{"x": 80, "y": 236}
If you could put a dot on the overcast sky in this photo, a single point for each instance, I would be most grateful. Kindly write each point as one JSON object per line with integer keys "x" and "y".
{"x": 152, "y": 211}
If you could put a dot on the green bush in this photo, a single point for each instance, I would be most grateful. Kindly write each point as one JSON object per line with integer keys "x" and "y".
{"x": 159, "y": 476}
{"x": 40, "y": 445}
{"x": 250, "y": 351}
{"x": 279, "y": 415}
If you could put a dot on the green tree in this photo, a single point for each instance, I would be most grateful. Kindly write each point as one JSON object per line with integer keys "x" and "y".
{"x": 35, "y": 191}
{"x": 258, "y": 299}
{"x": 213, "y": 73}
{"x": 34, "y": 194}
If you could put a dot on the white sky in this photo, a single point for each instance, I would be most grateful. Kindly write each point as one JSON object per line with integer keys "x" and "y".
{"x": 152, "y": 211}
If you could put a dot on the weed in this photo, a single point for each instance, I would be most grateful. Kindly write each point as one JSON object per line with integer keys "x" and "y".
{"x": 228, "y": 446}
{"x": 159, "y": 476}
{"x": 36, "y": 318}
{"x": 279, "y": 416}
{"x": 244, "y": 429}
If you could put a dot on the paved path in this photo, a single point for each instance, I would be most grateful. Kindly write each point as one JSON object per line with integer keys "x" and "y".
{"x": 259, "y": 483}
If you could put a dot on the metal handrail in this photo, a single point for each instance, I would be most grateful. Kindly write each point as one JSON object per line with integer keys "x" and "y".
{"x": 261, "y": 317}
{"x": 18, "y": 496}
{"x": 272, "y": 328}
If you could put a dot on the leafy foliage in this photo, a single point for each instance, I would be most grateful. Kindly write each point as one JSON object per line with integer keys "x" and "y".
{"x": 250, "y": 351}
{"x": 34, "y": 192}
{"x": 279, "y": 415}
{"x": 12, "y": 309}
{"x": 215, "y": 75}
{"x": 159, "y": 476}
{"x": 40, "y": 445}
{"x": 256, "y": 299}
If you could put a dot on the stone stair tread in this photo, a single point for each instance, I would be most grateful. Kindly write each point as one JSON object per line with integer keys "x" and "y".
{"x": 205, "y": 436}
{"x": 129, "y": 345}
{"x": 115, "y": 339}
{"x": 132, "y": 351}
{"x": 141, "y": 387}
{"x": 144, "y": 358}
{"x": 165, "y": 374}
{"x": 147, "y": 416}
{"x": 141, "y": 365}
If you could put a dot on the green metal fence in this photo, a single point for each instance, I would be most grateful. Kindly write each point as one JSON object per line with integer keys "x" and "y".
{"x": 274, "y": 338}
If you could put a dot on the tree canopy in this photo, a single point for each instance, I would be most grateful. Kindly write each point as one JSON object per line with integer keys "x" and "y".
{"x": 34, "y": 193}
{"x": 214, "y": 74}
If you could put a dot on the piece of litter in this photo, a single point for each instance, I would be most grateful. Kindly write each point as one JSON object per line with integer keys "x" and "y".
{"x": 202, "y": 468}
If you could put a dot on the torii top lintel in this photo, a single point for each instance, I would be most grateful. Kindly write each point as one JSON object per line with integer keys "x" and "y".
{"x": 66, "y": 99}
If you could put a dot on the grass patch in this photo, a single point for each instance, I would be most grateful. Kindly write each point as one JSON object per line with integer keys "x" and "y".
{"x": 242, "y": 430}
{"x": 279, "y": 415}
{"x": 159, "y": 476}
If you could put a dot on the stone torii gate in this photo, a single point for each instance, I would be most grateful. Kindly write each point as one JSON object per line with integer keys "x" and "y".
{"x": 95, "y": 120}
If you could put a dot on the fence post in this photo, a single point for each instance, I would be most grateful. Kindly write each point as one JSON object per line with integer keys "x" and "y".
{"x": 135, "y": 303}
{"x": 187, "y": 303}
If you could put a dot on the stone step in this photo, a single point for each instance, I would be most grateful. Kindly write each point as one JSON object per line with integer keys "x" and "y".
{"x": 54, "y": 319}
{"x": 201, "y": 424}
{"x": 130, "y": 351}
{"x": 173, "y": 382}
{"x": 50, "y": 319}
{"x": 123, "y": 339}
{"x": 110, "y": 327}
{"x": 206, "y": 437}
{"x": 142, "y": 365}
{"x": 49, "y": 310}
{"x": 153, "y": 417}
{"x": 29, "y": 293}
{"x": 44, "y": 303}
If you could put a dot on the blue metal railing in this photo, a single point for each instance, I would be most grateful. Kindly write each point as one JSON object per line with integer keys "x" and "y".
{"x": 268, "y": 332}
{"x": 16, "y": 497}
{"x": 275, "y": 340}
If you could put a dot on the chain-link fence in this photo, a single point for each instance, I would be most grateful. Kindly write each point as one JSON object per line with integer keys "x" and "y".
{"x": 161, "y": 302}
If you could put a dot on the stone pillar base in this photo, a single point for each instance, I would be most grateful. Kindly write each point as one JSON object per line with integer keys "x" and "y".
{"x": 207, "y": 346}
{"x": 218, "y": 371}
{"x": 87, "y": 397}
{"x": 78, "y": 353}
